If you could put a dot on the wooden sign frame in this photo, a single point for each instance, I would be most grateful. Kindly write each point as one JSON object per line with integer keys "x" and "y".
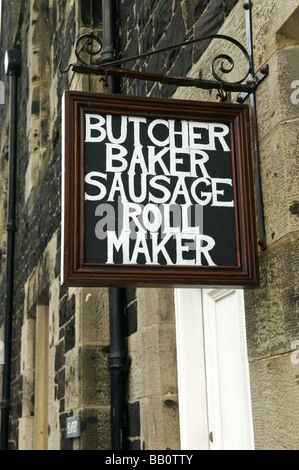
{"x": 76, "y": 270}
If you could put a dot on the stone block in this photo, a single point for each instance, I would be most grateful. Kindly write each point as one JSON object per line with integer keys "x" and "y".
{"x": 160, "y": 423}
{"x": 95, "y": 377}
{"x": 53, "y": 426}
{"x": 205, "y": 52}
{"x": 72, "y": 380}
{"x": 274, "y": 390}
{"x": 209, "y": 23}
{"x": 155, "y": 306}
{"x": 95, "y": 426}
{"x": 53, "y": 312}
{"x": 26, "y": 433}
{"x": 194, "y": 9}
{"x": 153, "y": 368}
{"x": 27, "y": 345}
{"x": 272, "y": 309}
{"x": 273, "y": 97}
{"x": 28, "y": 393}
{"x": 228, "y": 5}
{"x": 52, "y": 372}
{"x": 268, "y": 18}
{"x": 280, "y": 180}
{"x": 94, "y": 315}
{"x": 163, "y": 19}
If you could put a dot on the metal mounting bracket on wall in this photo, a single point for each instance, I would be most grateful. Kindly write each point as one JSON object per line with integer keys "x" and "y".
{"x": 91, "y": 45}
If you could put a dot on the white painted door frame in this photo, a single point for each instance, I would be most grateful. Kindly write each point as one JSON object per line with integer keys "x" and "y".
{"x": 213, "y": 372}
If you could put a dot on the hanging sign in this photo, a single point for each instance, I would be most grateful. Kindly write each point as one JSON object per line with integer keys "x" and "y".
{"x": 156, "y": 192}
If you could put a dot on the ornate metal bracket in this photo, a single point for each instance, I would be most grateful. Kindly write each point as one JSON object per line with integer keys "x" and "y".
{"x": 89, "y": 43}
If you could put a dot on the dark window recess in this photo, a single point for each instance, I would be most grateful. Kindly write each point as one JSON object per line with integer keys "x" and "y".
{"x": 89, "y": 7}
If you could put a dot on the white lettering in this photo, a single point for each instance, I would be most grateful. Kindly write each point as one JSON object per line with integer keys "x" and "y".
{"x": 204, "y": 250}
{"x": 136, "y": 122}
{"x": 137, "y": 159}
{"x": 194, "y": 136}
{"x": 183, "y": 133}
{"x": 160, "y": 247}
{"x": 151, "y": 126}
{"x": 180, "y": 248}
{"x": 155, "y": 224}
{"x": 194, "y": 162}
{"x": 213, "y": 131}
{"x": 117, "y": 243}
{"x": 154, "y": 183}
{"x": 176, "y": 215}
{"x": 171, "y": 177}
{"x": 140, "y": 247}
{"x": 154, "y": 158}
{"x": 132, "y": 188}
{"x": 123, "y": 130}
{"x": 174, "y": 161}
{"x": 119, "y": 157}
{"x": 169, "y": 459}
{"x": 216, "y": 192}
{"x": 132, "y": 212}
{"x": 181, "y": 189}
{"x": 117, "y": 186}
{"x": 97, "y": 126}
{"x": 89, "y": 179}
{"x": 186, "y": 209}
{"x": 223, "y": 130}
{"x": 207, "y": 196}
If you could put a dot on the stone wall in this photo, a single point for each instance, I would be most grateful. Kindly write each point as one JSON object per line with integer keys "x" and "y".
{"x": 153, "y": 24}
{"x": 272, "y": 310}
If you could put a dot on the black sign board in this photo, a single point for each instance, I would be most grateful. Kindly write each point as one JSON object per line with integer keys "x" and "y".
{"x": 156, "y": 192}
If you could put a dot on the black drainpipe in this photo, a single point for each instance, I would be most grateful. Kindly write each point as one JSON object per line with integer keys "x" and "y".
{"x": 12, "y": 65}
{"x": 118, "y": 360}
{"x": 118, "y": 363}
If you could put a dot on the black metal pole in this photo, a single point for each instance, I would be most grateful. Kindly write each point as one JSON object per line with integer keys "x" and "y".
{"x": 109, "y": 24}
{"x": 118, "y": 360}
{"x": 13, "y": 61}
{"x": 254, "y": 131}
{"x": 109, "y": 34}
{"x": 118, "y": 363}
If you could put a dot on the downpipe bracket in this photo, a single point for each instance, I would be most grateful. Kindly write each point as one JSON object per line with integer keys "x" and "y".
{"x": 119, "y": 362}
{"x": 5, "y": 405}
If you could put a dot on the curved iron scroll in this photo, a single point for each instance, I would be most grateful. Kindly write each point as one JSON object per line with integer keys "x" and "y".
{"x": 92, "y": 45}
{"x": 89, "y": 39}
